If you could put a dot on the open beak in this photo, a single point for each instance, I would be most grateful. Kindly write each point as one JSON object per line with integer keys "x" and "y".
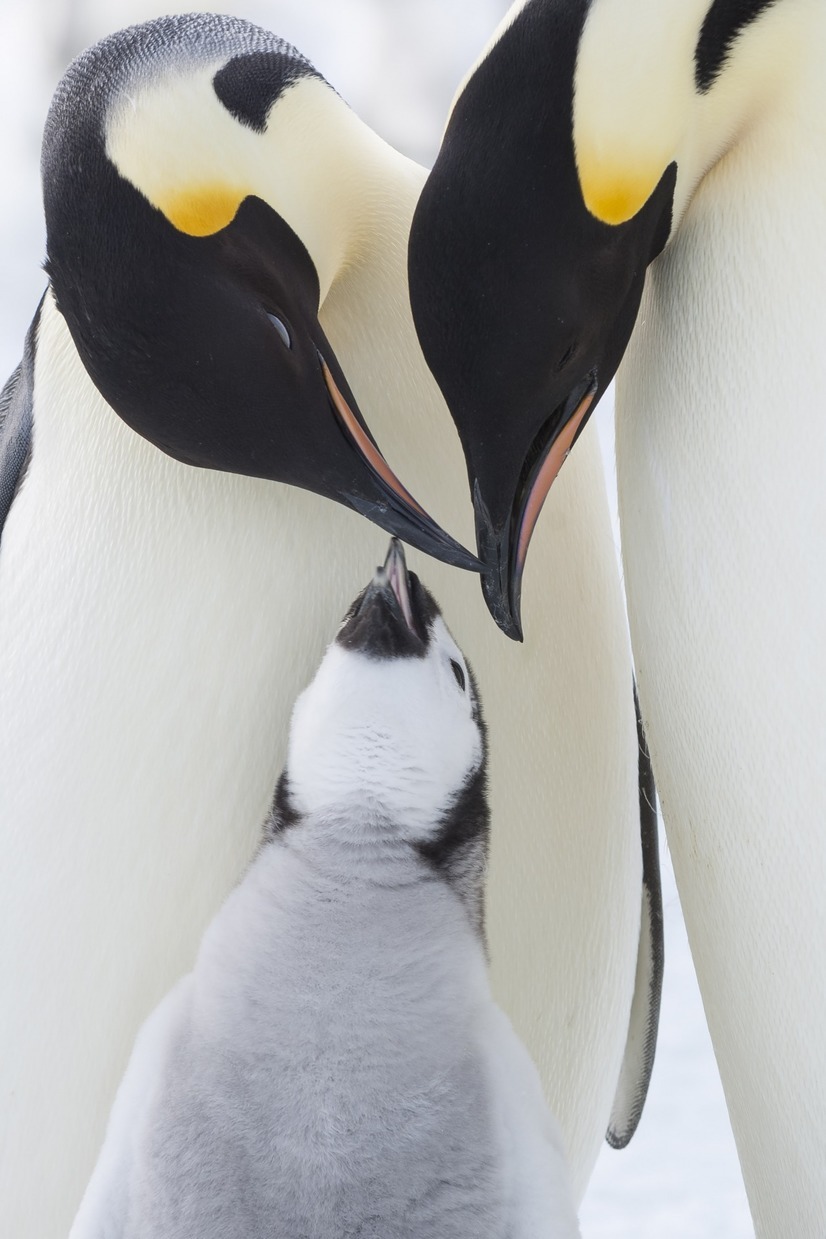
{"x": 386, "y": 621}
{"x": 503, "y": 544}
{"x": 401, "y": 515}
{"x": 395, "y": 572}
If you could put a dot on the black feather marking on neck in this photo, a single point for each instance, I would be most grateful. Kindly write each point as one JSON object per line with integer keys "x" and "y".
{"x": 459, "y": 850}
{"x": 249, "y": 85}
{"x": 724, "y": 23}
{"x": 283, "y": 814}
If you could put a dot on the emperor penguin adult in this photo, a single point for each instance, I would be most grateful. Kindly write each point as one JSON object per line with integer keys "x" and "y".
{"x": 334, "y": 1065}
{"x": 227, "y": 248}
{"x": 591, "y": 140}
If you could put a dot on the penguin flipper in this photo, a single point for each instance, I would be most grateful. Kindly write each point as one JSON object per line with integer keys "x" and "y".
{"x": 16, "y": 400}
{"x": 641, "y": 1043}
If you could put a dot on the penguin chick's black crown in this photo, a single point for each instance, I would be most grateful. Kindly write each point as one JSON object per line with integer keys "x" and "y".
{"x": 192, "y": 302}
{"x": 393, "y": 615}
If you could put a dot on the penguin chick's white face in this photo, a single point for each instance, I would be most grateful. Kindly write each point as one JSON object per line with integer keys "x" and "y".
{"x": 391, "y": 721}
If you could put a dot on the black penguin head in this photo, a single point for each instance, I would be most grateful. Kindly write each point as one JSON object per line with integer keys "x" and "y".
{"x": 523, "y": 300}
{"x": 189, "y": 241}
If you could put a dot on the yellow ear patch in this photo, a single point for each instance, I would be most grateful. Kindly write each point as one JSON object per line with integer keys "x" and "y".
{"x": 203, "y": 210}
{"x": 615, "y": 196}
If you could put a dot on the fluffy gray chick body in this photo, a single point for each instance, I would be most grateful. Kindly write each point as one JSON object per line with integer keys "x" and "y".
{"x": 335, "y": 1065}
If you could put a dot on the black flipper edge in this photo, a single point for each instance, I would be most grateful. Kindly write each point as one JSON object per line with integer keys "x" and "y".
{"x": 16, "y": 424}
{"x": 641, "y": 1044}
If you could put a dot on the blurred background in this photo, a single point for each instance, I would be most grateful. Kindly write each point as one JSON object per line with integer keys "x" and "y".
{"x": 398, "y": 63}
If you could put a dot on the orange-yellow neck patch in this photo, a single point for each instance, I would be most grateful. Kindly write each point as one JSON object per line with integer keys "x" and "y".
{"x": 203, "y": 210}
{"x": 616, "y": 195}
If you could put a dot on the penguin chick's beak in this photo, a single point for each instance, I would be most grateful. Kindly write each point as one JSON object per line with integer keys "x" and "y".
{"x": 395, "y": 572}
{"x": 403, "y": 515}
{"x": 504, "y": 527}
{"x": 387, "y": 619}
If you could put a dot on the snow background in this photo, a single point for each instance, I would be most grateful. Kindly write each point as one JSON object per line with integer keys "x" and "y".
{"x": 398, "y": 62}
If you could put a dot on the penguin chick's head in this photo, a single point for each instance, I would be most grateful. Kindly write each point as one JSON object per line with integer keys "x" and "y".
{"x": 391, "y": 726}
{"x": 202, "y": 190}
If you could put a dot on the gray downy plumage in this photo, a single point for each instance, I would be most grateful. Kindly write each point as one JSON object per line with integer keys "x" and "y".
{"x": 335, "y": 1065}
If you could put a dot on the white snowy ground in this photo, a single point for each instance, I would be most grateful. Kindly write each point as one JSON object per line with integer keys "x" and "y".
{"x": 397, "y": 62}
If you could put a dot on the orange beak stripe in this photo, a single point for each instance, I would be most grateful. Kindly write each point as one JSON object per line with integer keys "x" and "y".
{"x": 365, "y": 444}
{"x": 546, "y": 477}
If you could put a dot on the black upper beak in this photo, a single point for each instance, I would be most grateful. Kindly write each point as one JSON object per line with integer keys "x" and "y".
{"x": 506, "y": 518}
{"x": 388, "y": 619}
{"x": 397, "y": 511}
{"x": 501, "y": 585}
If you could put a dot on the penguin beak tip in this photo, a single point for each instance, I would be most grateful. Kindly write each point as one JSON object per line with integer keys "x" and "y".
{"x": 392, "y": 507}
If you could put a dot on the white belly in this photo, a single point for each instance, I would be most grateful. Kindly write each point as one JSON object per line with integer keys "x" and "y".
{"x": 156, "y": 625}
{"x": 721, "y": 441}
{"x": 146, "y": 692}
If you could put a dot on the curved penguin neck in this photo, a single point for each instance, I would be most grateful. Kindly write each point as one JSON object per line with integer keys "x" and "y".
{"x": 748, "y": 225}
{"x": 768, "y": 92}
{"x": 374, "y": 189}
{"x": 344, "y": 195}
{"x": 728, "y": 338}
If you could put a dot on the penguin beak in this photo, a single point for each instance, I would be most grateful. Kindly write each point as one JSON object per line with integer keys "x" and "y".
{"x": 395, "y": 574}
{"x": 506, "y": 515}
{"x": 401, "y": 514}
{"x": 387, "y": 620}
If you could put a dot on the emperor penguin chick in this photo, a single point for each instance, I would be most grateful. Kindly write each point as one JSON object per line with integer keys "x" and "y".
{"x": 335, "y": 1065}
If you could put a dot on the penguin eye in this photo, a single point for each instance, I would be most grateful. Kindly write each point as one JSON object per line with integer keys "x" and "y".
{"x": 280, "y": 328}
{"x": 566, "y": 356}
{"x": 458, "y": 672}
